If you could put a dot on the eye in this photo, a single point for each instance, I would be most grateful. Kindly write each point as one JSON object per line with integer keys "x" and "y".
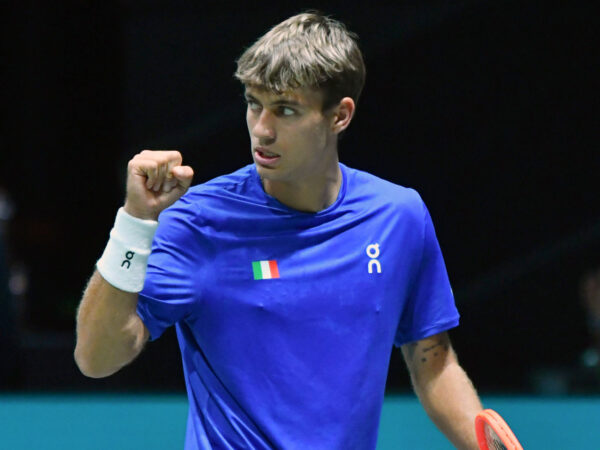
{"x": 285, "y": 111}
{"x": 252, "y": 105}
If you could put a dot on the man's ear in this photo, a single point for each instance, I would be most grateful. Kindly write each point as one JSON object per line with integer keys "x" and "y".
{"x": 342, "y": 115}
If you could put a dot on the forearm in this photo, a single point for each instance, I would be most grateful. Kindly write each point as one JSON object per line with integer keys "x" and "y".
{"x": 452, "y": 404}
{"x": 110, "y": 334}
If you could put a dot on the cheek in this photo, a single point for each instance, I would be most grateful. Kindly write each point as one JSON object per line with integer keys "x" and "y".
{"x": 319, "y": 134}
{"x": 304, "y": 139}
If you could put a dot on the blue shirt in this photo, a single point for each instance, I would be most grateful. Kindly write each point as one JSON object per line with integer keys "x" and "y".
{"x": 286, "y": 320}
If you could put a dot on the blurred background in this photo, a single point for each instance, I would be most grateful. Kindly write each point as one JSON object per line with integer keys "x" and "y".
{"x": 488, "y": 108}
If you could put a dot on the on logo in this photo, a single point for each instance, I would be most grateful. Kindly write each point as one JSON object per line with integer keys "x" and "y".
{"x": 373, "y": 253}
{"x": 128, "y": 257}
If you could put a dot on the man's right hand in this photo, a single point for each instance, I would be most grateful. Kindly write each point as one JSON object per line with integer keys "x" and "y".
{"x": 155, "y": 180}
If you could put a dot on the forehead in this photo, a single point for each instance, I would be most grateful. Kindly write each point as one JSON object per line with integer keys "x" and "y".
{"x": 308, "y": 97}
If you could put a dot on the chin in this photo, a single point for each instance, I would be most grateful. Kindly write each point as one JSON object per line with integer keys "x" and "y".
{"x": 265, "y": 172}
{"x": 270, "y": 174}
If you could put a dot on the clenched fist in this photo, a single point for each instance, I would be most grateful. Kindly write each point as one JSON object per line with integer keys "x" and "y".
{"x": 155, "y": 180}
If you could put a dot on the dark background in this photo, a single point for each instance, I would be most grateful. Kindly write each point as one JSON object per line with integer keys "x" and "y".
{"x": 488, "y": 109}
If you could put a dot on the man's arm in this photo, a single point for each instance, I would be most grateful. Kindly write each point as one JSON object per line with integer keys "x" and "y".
{"x": 110, "y": 334}
{"x": 444, "y": 388}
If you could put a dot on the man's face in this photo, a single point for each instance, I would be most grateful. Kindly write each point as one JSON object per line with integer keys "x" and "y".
{"x": 291, "y": 138}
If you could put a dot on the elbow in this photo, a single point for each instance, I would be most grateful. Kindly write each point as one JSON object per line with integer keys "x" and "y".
{"x": 99, "y": 357}
{"x": 88, "y": 366}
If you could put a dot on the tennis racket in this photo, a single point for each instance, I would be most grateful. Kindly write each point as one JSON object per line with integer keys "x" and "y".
{"x": 493, "y": 433}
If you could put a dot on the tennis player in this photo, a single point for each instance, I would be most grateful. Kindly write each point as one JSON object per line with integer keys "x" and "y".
{"x": 290, "y": 280}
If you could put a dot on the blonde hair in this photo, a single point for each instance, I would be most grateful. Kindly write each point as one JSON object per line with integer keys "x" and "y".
{"x": 306, "y": 50}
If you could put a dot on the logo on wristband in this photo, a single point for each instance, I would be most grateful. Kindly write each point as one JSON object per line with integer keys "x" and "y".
{"x": 129, "y": 256}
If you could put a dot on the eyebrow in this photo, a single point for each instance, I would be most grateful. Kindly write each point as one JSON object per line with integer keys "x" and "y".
{"x": 280, "y": 102}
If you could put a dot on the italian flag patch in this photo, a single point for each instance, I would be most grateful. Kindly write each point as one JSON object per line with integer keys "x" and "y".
{"x": 265, "y": 270}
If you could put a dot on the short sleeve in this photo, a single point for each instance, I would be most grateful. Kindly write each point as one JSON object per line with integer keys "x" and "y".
{"x": 429, "y": 308}
{"x": 170, "y": 288}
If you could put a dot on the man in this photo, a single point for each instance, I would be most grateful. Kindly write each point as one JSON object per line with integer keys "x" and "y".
{"x": 290, "y": 280}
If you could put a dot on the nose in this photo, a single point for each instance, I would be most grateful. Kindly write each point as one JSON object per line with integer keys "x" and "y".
{"x": 264, "y": 129}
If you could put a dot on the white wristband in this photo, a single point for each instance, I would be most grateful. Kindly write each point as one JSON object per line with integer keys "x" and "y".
{"x": 125, "y": 258}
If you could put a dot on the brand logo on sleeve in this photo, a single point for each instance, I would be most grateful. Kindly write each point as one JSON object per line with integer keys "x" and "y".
{"x": 265, "y": 270}
{"x": 373, "y": 254}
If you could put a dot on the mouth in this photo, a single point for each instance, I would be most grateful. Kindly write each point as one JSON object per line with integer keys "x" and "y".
{"x": 265, "y": 157}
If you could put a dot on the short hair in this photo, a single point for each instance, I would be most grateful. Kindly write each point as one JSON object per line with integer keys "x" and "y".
{"x": 307, "y": 50}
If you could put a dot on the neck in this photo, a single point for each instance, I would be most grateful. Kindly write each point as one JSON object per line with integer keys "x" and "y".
{"x": 313, "y": 194}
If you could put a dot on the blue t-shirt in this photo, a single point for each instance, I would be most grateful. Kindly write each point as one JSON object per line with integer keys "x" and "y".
{"x": 286, "y": 320}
